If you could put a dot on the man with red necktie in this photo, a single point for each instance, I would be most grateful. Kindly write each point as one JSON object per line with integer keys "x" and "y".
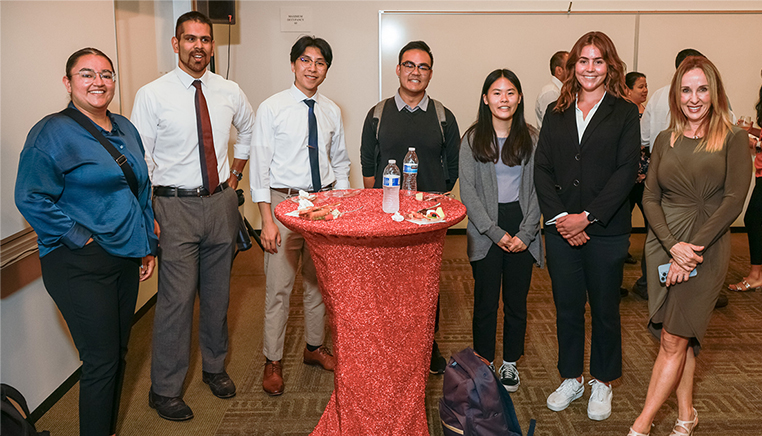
{"x": 184, "y": 120}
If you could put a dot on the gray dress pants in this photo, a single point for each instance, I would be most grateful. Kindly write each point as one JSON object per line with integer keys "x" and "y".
{"x": 197, "y": 244}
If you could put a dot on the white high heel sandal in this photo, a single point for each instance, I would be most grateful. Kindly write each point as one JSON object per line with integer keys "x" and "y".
{"x": 685, "y": 428}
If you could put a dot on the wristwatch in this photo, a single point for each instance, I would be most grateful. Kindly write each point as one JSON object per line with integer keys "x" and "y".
{"x": 591, "y": 218}
{"x": 237, "y": 175}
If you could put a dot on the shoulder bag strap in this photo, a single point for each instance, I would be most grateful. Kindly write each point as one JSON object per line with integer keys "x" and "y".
{"x": 119, "y": 158}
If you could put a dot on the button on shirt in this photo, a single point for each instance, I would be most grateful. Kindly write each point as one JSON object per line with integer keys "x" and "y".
{"x": 70, "y": 189}
{"x": 279, "y": 154}
{"x": 165, "y": 115}
{"x": 582, "y": 123}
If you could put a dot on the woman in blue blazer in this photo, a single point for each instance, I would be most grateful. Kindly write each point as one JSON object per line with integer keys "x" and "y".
{"x": 585, "y": 166}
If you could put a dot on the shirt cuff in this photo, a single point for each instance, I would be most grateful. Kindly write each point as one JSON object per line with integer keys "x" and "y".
{"x": 341, "y": 184}
{"x": 76, "y": 237}
{"x": 260, "y": 195}
{"x": 552, "y": 222}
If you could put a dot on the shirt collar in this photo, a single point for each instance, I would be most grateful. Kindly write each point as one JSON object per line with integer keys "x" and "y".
{"x": 187, "y": 80}
{"x": 595, "y": 107}
{"x": 556, "y": 82}
{"x": 423, "y": 104}
{"x": 114, "y": 125}
{"x": 299, "y": 95}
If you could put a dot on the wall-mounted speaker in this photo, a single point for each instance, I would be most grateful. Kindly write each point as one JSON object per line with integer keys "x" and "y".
{"x": 219, "y": 11}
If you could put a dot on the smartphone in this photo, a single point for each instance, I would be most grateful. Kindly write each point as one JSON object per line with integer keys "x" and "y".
{"x": 664, "y": 269}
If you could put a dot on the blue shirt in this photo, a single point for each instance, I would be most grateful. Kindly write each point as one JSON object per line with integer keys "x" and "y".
{"x": 70, "y": 189}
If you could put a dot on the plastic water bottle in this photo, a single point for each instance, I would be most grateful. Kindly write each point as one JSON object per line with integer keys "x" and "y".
{"x": 391, "y": 187}
{"x": 410, "y": 172}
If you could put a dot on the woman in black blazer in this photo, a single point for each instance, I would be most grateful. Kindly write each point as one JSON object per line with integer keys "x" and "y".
{"x": 585, "y": 166}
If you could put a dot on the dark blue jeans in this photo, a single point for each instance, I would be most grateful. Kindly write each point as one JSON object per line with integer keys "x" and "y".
{"x": 96, "y": 294}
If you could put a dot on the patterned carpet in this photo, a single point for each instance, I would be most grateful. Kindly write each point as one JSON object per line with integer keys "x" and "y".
{"x": 728, "y": 393}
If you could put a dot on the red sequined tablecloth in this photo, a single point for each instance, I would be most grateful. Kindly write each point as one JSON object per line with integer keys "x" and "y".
{"x": 380, "y": 280}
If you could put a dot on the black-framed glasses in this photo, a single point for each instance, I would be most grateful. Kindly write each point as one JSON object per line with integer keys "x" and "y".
{"x": 88, "y": 75}
{"x": 409, "y": 66}
{"x": 319, "y": 64}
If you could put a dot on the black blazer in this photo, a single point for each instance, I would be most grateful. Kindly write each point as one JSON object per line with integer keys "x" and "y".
{"x": 595, "y": 175}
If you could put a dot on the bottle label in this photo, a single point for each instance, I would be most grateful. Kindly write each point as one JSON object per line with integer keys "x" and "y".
{"x": 410, "y": 168}
{"x": 391, "y": 181}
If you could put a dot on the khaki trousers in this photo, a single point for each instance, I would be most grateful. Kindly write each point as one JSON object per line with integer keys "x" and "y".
{"x": 281, "y": 269}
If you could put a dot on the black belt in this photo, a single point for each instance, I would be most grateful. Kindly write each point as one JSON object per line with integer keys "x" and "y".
{"x": 169, "y": 191}
{"x": 290, "y": 191}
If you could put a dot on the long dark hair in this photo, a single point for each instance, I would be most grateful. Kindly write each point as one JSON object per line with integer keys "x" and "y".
{"x": 518, "y": 146}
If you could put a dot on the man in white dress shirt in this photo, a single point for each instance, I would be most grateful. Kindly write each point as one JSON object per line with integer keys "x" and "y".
{"x": 550, "y": 92}
{"x": 184, "y": 120}
{"x": 298, "y": 143}
{"x": 656, "y": 116}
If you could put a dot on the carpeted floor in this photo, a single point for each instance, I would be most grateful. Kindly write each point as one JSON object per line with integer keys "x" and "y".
{"x": 728, "y": 393}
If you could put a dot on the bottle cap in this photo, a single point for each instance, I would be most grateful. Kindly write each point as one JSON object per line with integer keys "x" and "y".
{"x": 392, "y": 161}
{"x": 411, "y": 149}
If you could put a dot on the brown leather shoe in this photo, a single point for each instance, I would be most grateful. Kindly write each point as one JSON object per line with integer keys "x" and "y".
{"x": 272, "y": 381}
{"x": 322, "y": 356}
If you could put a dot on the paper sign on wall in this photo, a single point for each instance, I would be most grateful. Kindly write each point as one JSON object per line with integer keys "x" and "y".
{"x": 295, "y": 19}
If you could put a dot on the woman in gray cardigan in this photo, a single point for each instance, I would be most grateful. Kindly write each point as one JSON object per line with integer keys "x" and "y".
{"x": 497, "y": 187}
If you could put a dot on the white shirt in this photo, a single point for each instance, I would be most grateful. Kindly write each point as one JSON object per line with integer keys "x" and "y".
{"x": 655, "y": 118}
{"x": 279, "y": 154}
{"x": 582, "y": 123}
{"x": 548, "y": 94}
{"x": 165, "y": 115}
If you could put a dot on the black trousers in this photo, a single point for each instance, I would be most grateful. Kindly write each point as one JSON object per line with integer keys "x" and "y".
{"x": 589, "y": 273}
{"x": 753, "y": 221}
{"x": 96, "y": 294}
{"x": 514, "y": 272}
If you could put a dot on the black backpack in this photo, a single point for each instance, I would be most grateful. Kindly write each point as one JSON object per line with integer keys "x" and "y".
{"x": 474, "y": 402}
{"x": 15, "y": 422}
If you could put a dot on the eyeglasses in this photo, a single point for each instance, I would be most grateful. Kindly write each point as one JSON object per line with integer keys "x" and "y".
{"x": 88, "y": 75}
{"x": 409, "y": 67}
{"x": 318, "y": 63}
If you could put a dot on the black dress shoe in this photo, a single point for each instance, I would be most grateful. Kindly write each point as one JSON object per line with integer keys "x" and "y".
{"x": 220, "y": 384}
{"x": 171, "y": 408}
{"x": 438, "y": 363}
{"x": 623, "y": 292}
{"x": 631, "y": 260}
{"x": 640, "y": 291}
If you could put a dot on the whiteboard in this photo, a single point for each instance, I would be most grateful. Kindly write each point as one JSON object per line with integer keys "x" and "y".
{"x": 469, "y": 45}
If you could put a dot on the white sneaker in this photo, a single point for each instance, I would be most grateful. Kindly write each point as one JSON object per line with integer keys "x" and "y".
{"x": 509, "y": 377}
{"x": 570, "y": 390}
{"x": 599, "y": 405}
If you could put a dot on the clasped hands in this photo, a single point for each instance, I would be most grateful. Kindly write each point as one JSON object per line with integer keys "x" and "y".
{"x": 511, "y": 244}
{"x": 684, "y": 260}
{"x": 572, "y": 228}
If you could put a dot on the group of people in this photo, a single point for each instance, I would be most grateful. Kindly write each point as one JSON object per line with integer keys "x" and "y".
{"x": 106, "y": 195}
{"x": 586, "y": 162}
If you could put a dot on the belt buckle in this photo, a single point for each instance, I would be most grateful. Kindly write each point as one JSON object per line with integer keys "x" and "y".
{"x": 198, "y": 192}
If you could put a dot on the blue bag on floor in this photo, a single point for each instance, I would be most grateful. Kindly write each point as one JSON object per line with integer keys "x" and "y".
{"x": 474, "y": 402}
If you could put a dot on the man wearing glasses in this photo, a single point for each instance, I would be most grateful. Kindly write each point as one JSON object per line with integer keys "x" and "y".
{"x": 298, "y": 144}
{"x": 412, "y": 119}
{"x": 184, "y": 120}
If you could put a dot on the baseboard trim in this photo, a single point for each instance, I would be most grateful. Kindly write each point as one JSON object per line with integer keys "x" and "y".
{"x": 69, "y": 383}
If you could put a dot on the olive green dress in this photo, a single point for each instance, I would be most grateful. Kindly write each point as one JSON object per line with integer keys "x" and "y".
{"x": 692, "y": 196}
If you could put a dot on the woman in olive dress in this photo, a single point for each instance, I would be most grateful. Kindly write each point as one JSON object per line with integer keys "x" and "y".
{"x": 696, "y": 187}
